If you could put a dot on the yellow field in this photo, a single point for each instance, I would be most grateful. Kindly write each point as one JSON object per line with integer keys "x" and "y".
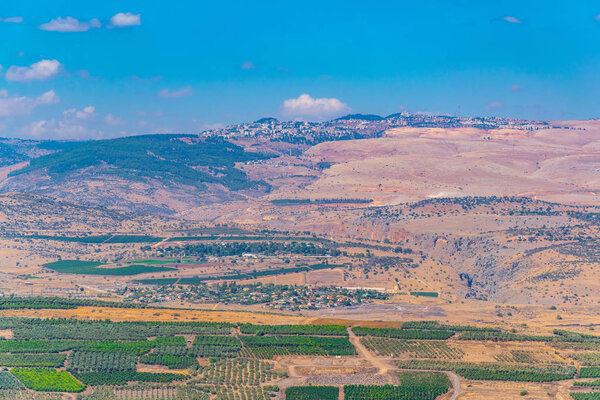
{"x": 131, "y": 314}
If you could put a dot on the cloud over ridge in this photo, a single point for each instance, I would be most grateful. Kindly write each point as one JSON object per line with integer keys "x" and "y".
{"x": 307, "y": 107}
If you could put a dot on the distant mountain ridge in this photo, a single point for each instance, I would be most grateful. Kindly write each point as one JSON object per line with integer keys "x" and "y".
{"x": 178, "y": 159}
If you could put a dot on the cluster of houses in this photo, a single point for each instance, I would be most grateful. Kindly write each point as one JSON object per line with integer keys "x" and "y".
{"x": 362, "y": 126}
{"x": 282, "y": 297}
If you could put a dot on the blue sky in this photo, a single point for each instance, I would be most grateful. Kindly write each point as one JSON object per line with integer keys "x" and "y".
{"x": 108, "y": 68}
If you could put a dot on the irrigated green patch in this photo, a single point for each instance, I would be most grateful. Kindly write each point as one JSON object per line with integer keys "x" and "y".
{"x": 312, "y": 393}
{"x": 92, "y": 268}
{"x": 48, "y": 380}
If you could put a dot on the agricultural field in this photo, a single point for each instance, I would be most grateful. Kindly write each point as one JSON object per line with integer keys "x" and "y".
{"x": 412, "y": 348}
{"x": 9, "y": 381}
{"x": 312, "y": 393}
{"x": 48, "y": 380}
{"x": 93, "y": 268}
{"x": 32, "y": 360}
{"x": 412, "y": 386}
{"x": 104, "y": 359}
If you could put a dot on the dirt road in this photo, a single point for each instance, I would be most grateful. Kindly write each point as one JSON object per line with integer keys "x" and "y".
{"x": 455, "y": 385}
{"x": 384, "y": 367}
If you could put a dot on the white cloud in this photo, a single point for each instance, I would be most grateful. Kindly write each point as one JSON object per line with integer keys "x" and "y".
{"x": 157, "y": 113}
{"x": 516, "y": 88}
{"x": 307, "y": 107}
{"x": 41, "y": 70}
{"x": 121, "y": 20}
{"x": 85, "y": 74}
{"x": 597, "y": 17}
{"x": 22, "y": 105}
{"x": 171, "y": 94}
{"x": 512, "y": 20}
{"x": 113, "y": 120}
{"x": 151, "y": 79}
{"x": 85, "y": 113}
{"x": 69, "y": 24}
{"x": 494, "y": 105}
{"x": 59, "y": 130}
{"x": 12, "y": 20}
{"x": 248, "y": 65}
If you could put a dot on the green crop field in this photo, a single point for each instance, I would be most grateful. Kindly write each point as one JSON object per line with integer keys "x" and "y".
{"x": 48, "y": 380}
{"x": 495, "y": 372}
{"x": 229, "y": 361}
{"x": 92, "y": 268}
{"x": 404, "y": 333}
{"x": 412, "y": 348}
{"x": 312, "y": 393}
{"x": 32, "y": 360}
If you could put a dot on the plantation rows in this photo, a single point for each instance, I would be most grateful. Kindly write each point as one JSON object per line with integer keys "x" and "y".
{"x": 589, "y": 372}
{"x": 9, "y": 381}
{"x": 47, "y": 380}
{"x": 270, "y": 352}
{"x": 16, "y": 394}
{"x": 301, "y": 344}
{"x": 494, "y": 372}
{"x": 32, "y": 360}
{"x": 586, "y": 396}
{"x": 55, "y": 346}
{"x": 576, "y": 346}
{"x": 122, "y": 377}
{"x": 320, "y": 330}
{"x": 38, "y": 346}
{"x": 403, "y": 333}
{"x": 591, "y": 359}
{"x": 243, "y": 393}
{"x": 32, "y": 328}
{"x": 413, "y": 386}
{"x": 312, "y": 393}
{"x": 390, "y": 392}
{"x": 224, "y": 341}
{"x": 414, "y": 349}
{"x": 237, "y": 372}
{"x": 518, "y": 356}
{"x": 559, "y": 336}
{"x": 593, "y": 384}
{"x": 505, "y": 337}
{"x": 197, "y": 351}
{"x": 87, "y": 361}
{"x": 57, "y": 303}
{"x": 172, "y": 362}
{"x": 143, "y": 392}
{"x": 436, "y": 326}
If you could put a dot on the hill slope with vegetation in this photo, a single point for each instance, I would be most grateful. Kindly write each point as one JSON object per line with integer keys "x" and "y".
{"x": 176, "y": 159}
{"x": 149, "y": 173}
